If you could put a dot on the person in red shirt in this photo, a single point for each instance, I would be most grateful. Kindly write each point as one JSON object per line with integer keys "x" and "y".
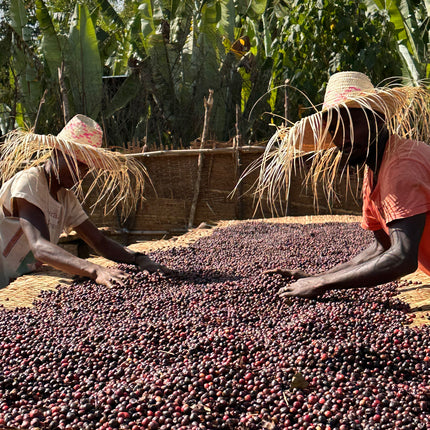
{"x": 369, "y": 128}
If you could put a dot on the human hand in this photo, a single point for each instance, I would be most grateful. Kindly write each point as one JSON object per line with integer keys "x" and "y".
{"x": 148, "y": 265}
{"x": 110, "y": 276}
{"x": 287, "y": 273}
{"x": 309, "y": 288}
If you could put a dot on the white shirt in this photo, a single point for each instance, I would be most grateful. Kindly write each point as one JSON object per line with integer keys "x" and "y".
{"x": 63, "y": 215}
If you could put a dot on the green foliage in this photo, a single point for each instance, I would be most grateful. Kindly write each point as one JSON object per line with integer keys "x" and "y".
{"x": 25, "y": 68}
{"x": 159, "y": 58}
{"x": 321, "y": 37}
{"x": 83, "y": 64}
{"x": 33, "y": 61}
{"x": 412, "y": 30}
{"x": 50, "y": 43}
{"x": 180, "y": 50}
{"x": 6, "y": 90}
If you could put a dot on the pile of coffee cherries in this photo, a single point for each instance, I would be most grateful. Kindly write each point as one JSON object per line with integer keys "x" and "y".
{"x": 215, "y": 347}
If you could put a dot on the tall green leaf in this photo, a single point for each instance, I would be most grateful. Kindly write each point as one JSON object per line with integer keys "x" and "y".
{"x": 18, "y": 16}
{"x": 137, "y": 39}
{"x": 410, "y": 62}
{"x": 109, "y": 14}
{"x": 84, "y": 66}
{"x": 126, "y": 92}
{"x": 226, "y": 24}
{"x": 50, "y": 42}
{"x": 27, "y": 68}
{"x": 147, "y": 20}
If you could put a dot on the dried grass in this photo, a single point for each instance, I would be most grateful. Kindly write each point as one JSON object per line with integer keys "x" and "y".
{"x": 110, "y": 170}
{"x": 407, "y": 113}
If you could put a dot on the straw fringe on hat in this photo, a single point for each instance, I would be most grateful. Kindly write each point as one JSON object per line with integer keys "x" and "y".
{"x": 119, "y": 180}
{"x": 406, "y": 110}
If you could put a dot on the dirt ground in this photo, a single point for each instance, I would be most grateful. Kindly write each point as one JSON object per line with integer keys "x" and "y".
{"x": 415, "y": 290}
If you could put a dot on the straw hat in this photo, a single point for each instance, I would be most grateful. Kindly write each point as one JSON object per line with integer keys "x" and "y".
{"x": 348, "y": 87}
{"x": 405, "y": 110}
{"x": 120, "y": 178}
{"x": 83, "y": 131}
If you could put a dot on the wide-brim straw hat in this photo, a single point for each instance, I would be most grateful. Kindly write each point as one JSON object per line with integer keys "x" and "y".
{"x": 84, "y": 134}
{"x": 119, "y": 179}
{"x": 404, "y": 108}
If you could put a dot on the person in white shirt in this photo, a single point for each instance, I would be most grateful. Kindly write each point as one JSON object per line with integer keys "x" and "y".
{"x": 37, "y": 204}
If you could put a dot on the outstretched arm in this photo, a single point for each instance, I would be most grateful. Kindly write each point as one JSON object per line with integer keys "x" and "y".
{"x": 112, "y": 250}
{"x": 103, "y": 245}
{"x": 369, "y": 268}
{"x": 377, "y": 247}
{"x": 34, "y": 226}
{"x": 381, "y": 244}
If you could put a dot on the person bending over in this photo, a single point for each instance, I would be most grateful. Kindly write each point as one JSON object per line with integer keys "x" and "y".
{"x": 37, "y": 204}
{"x": 369, "y": 127}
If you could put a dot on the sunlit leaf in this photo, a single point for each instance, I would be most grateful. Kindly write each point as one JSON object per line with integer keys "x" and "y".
{"x": 84, "y": 66}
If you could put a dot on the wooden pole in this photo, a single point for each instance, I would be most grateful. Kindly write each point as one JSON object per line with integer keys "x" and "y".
{"x": 193, "y": 152}
{"x": 286, "y": 103}
{"x": 42, "y": 101}
{"x": 208, "y": 103}
{"x": 238, "y": 164}
{"x": 63, "y": 92}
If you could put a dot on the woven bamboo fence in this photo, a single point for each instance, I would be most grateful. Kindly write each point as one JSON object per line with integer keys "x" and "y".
{"x": 167, "y": 207}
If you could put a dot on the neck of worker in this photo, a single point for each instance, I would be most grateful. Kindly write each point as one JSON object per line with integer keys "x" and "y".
{"x": 376, "y": 151}
{"x": 53, "y": 181}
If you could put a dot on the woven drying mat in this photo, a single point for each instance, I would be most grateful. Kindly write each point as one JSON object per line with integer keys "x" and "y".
{"x": 23, "y": 291}
{"x": 415, "y": 290}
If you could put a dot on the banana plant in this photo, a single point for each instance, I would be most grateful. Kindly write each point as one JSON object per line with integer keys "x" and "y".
{"x": 7, "y": 90}
{"x": 83, "y": 64}
{"x": 26, "y": 70}
{"x": 179, "y": 50}
{"x": 35, "y": 65}
{"x": 78, "y": 52}
{"x": 170, "y": 53}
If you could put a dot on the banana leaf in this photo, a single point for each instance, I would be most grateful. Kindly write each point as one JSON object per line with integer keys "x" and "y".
{"x": 126, "y": 92}
{"x": 226, "y": 24}
{"x": 84, "y": 65}
{"x": 137, "y": 38}
{"x": 412, "y": 68}
{"x": 402, "y": 16}
{"x": 27, "y": 67}
{"x": 147, "y": 21}
{"x": 18, "y": 18}
{"x": 50, "y": 46}
{"x": 109, "y": 14}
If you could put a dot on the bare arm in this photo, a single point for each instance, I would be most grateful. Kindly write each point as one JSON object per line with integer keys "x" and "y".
{"x": 377, "y": 247}
{"x": 112, "y": 250}
{"x": 381, "y": 244}
{"x": 34, "y": 226}
{"x": 103, "y": 245}
{"x": 399, "y": 259}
